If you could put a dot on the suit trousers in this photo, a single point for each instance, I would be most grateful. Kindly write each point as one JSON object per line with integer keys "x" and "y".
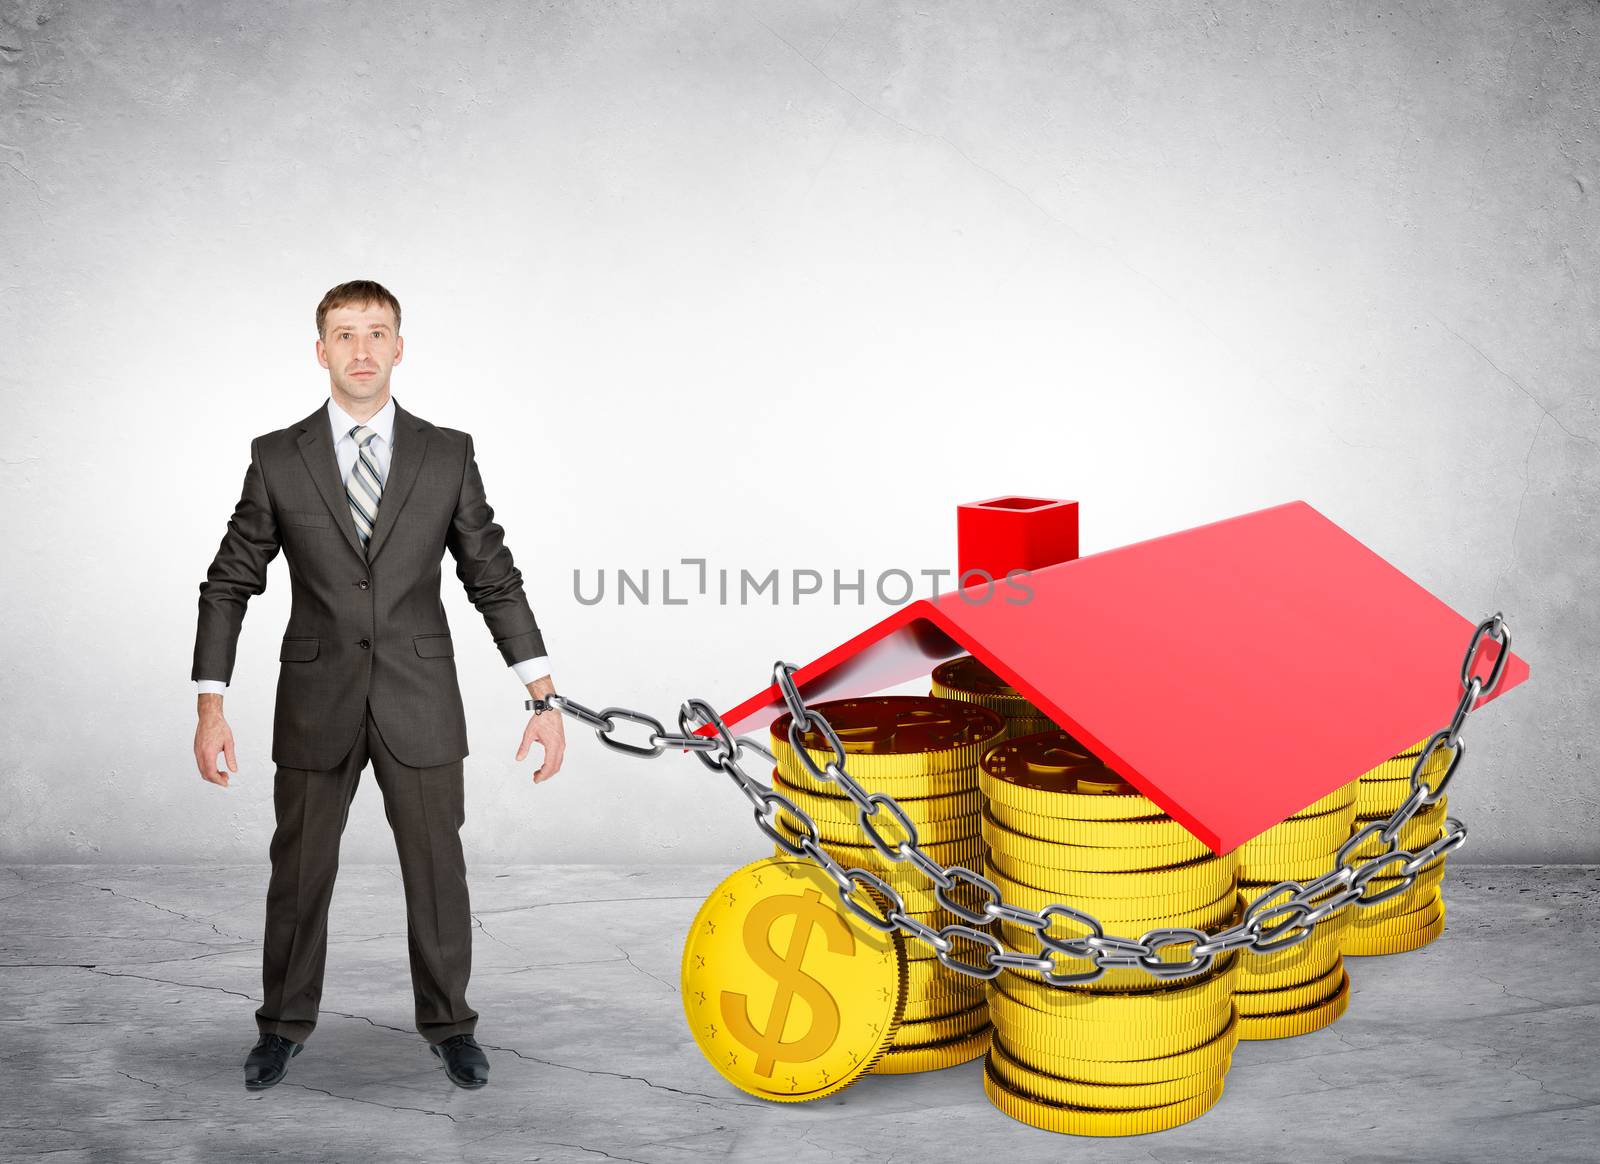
{"x": 426, "y": 808}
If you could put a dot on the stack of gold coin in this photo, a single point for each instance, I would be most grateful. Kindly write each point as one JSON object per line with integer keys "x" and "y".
{"x": 922, "y": 751}
{"x": 1127, "y": 1052}
{"x": 1415, "y": 917}
{"x": 1303, "y": 987}
{"x": 967, "y": 679}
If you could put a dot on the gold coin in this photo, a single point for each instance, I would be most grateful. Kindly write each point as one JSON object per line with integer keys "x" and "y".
{"x": 917, "y": 893}
{"x": 1417, "y": 919}
{"x": 920, "y": 809}
{"x": 1297, "y": 964}
{"x": 850, "y": 832}
{"x": 1302, "y": 869}
{"x": 1116, "y": 1096}
{"x": 1341, "y": 796}
{"x": 957, "y": 781}
{"x": 1170, "y": 1029}
{"x": 893, "y": 738}
{"x": 1212, "y": 1056}
{"x": 1086, "y": 858}
{"x": 1061, "y": 889}
{"x": 787, "y": 995}
{"x": 1027, "y": 725}
{"x": 941, "y": 1005}
{"x": 1052, "y": 774}
{"x": 1420, "y": 894}
{"x": 933, "y": 1056}
{"x": 1088, "y": 1121}
{"x": 1399, "y": 767}
{"x": 930, "y": 977}
{"x": 1301, "y": 1021}
{"x": 1145, "y": 832}
{"x": 965, "y": 677}
{"x": 1368, "y": 946}
{"x": 1204, "y": 879}
{"x": 1261, "y": 864}
{"x": 1024, "y": 1025}
{"x": 1072, "y": 1035}
{"x": 1418, "y": 832}
{"x": 1376, "y": 799}
{"x": 867, "y": 856}
{"x": 1283, "y": 998}
{"x": 912, "y": 898}
{"x": 971, "y": 676}
{"x": 1118, "y": 910}
{"x": 938, "y": 1030}
{"x": 1202, "y": 997}
{"x": 1323, "y": 833}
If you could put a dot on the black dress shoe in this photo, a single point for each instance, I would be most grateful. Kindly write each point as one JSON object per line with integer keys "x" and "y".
{"x": 464, "y": 1060}
{"x": 268, "y": 1061}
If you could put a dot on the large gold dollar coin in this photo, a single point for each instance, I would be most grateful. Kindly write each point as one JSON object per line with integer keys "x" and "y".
{"x": 890, "y": 739}
{"x": 787, "y": 995}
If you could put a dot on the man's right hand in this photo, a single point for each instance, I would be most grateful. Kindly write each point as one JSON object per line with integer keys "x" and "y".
{"x": 211, "y": 736}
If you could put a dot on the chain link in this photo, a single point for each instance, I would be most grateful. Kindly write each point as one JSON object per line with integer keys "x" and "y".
{"x": 1266, "y": 925}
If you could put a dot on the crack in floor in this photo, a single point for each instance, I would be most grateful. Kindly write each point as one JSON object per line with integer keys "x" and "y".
{"x": 673, "y": 988}
{"x": 372, "y": 1102}
{"x": 173, "y": 912}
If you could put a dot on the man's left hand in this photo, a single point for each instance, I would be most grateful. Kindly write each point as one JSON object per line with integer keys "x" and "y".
{"x": 547, "y": 729}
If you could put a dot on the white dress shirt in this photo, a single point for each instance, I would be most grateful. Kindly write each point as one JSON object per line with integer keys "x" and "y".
{"x": 381, "y": 446}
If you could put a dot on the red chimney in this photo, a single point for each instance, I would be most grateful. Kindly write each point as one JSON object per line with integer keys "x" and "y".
{"x": 1014, "y": 533}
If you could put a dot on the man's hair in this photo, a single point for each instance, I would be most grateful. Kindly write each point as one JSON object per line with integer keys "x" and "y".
{"x": 357, "y": 293}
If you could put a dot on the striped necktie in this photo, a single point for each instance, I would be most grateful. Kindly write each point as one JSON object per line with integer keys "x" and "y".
{"x": 364, "y": 487}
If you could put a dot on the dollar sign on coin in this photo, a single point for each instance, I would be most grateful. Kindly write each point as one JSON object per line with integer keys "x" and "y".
{"x": 808, "y": 913}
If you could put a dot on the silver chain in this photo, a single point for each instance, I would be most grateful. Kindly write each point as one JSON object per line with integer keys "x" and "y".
{"x": 1265, "y": 927}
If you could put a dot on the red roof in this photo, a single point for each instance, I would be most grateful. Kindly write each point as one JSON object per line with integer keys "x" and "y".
{"x": 1234, "y": 672}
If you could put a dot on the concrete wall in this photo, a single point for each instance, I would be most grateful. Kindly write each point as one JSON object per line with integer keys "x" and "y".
{"x": 779, "y": 285}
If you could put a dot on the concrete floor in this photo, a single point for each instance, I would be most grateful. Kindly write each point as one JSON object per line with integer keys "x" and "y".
{"x": 128, "y": 995}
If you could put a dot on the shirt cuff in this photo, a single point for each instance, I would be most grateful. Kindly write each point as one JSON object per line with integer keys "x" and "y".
{"x": 209, "y": 686}
{"x": 530, "y": 669}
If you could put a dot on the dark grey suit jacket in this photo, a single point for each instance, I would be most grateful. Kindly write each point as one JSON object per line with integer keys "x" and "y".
{"x": 364, "y": 628}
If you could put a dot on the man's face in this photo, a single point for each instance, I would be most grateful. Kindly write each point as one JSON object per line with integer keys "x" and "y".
{"x": 358, "y": 347}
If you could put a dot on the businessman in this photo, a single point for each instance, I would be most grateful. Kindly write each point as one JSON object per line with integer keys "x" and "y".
{"x": 364, "y": 498}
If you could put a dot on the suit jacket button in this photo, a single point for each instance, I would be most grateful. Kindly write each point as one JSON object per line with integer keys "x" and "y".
{"x": 363, "y": 583}
{"x": 365, "y": 644}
